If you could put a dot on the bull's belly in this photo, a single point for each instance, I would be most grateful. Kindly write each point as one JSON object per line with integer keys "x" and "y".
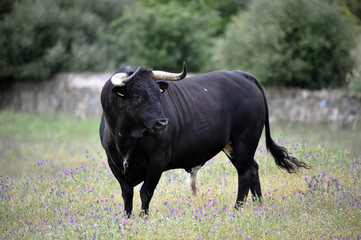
{"x": 194, "y": 156}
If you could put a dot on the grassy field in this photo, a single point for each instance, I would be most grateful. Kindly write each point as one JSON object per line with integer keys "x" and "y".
{"x": 26, "y": 139}
{"x": 55, "y": 184}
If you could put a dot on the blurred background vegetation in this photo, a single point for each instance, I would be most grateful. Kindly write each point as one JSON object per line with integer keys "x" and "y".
{"x": 304, "y": 43}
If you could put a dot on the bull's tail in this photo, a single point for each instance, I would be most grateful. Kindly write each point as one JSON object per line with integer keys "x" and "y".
{"x": 279, "y": 153}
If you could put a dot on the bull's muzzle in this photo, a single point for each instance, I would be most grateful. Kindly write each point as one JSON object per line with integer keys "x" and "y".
{"x": 160, "y": 125}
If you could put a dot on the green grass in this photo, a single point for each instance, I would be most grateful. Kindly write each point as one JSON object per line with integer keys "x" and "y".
{"x": 26, "y": 139}
{"x": 74, "y": 195}
{"x": 334, "y": 136}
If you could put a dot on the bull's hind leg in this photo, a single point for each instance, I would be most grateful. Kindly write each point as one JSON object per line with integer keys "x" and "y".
{"x": 255, "y": 182}
{"x": 241, "y": 154}
{"x": 192, "y": 180}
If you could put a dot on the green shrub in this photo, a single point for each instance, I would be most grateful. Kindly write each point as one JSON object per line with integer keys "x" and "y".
{"x": 163, "y": 35}
{"x": 41, "y": 37}
{"x": 354, "y": 81}
{"x": 354, "y": 78}
{"x": 304, "y": 43}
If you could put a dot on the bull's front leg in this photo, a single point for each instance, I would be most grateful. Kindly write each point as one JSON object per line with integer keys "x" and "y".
{"x": 127, "y": 190}
{"x": 127, "y": 194}
{"x": 147, "y": 190}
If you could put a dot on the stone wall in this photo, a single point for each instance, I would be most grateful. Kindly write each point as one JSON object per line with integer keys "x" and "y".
{"x": 299, "y": 105}
{"x": 79, "y": 94}
{"x": 74, "y": 94}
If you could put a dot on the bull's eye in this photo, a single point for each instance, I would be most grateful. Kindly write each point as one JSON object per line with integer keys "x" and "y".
{"x": 137, "y": 98}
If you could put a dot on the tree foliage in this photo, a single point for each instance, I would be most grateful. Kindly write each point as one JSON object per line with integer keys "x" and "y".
{"x": 164, "y": 35}
{"x": 225, "y": 9}
{"x": 302, "y": 43}
{"x": 349, "y": 6}
{"x": 41, "y": 37}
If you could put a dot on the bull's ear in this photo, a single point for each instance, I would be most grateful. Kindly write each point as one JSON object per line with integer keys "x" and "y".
{"x": 120, "y": 91}
{"x": 163, "y": 86}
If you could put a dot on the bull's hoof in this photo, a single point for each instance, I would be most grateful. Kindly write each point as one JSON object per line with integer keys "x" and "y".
{"x": 257, "y": 200}
{"x": 144, "y": 214}
{"x": 127, "y": 215}
{"x": 239, "y": 205}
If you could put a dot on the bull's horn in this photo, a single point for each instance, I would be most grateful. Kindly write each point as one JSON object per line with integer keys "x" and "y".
{"x": 160, "y": 75}
{"x": 121, "y": 79}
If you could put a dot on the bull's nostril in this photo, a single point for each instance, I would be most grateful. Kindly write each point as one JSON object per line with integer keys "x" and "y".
{"x": 161, "y": 124}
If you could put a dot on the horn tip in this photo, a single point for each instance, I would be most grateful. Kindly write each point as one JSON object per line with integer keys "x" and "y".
{"x": 184, "y": 69}
{"x": 136, "y": 71}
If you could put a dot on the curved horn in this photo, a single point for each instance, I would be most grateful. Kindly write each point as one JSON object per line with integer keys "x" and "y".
{"x": 160, "y": 75}
{"x": 121, "y": 79}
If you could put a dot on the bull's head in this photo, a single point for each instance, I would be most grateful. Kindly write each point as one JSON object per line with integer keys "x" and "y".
{"x": 138, "y": 91}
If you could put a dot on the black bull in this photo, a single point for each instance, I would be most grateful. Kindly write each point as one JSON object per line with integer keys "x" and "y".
{"x": 151, "y": 126}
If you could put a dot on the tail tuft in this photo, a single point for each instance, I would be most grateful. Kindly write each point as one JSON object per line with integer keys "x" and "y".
{"x": 279, "y": 153}
{"x": 283, "y": 159}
